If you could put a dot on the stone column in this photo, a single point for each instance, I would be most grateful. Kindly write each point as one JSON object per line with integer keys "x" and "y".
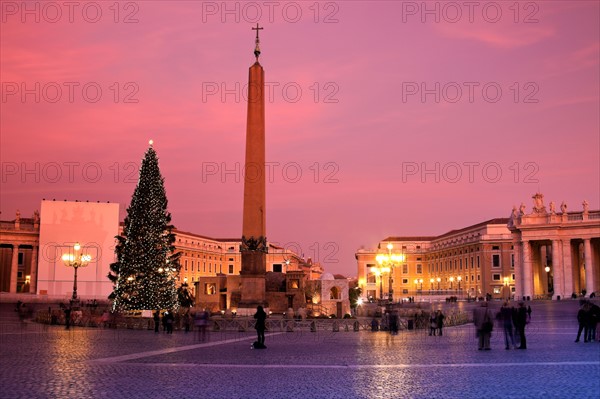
{"x": 34, "y": 268}
{"x": 518, "y": 250}
{"x": 557, "y": 271}
{"x": 567, "y": 266}
{"x": 590, "y": 278}
{"x": 527, "y": 270}
{"x": 14, "y": 268}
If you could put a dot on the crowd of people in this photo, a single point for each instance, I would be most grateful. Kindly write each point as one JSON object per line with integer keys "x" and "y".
{"x": 512, "y": 320}
{"x": 588, "y": 317}
{"x": 169, "y": 318}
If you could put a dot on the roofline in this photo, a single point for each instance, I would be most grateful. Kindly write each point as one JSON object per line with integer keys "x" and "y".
{"x": 501, "y": 221}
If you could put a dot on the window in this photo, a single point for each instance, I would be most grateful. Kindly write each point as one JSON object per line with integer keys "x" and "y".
{"x": 496, "y": 260}
{"x": 405, "y": 269}
{"x": 495, "y": 248}
{"x": 478, "y": 277}
{"x": 497, "y": 290}
{"x": 371, "y": 278}
{"x": 460, "y": 264}
{"x": 277, "y": 267}
{"x": 230, "y": 269}
{"x": 496, "y": 276}
{"x": 210, "y": 288}
{"x": 192, "y": 265}
{"x": 512, "y": 261}
{"x": 472, "y": 263}
{"x": 478, "y": 261}
{"x": 404, "y": 281}
{"x": 419, "y": 268}
{"x": 293, "y": 284}
{"x": 334, "y": 293}
{"x": 185, "y": 265}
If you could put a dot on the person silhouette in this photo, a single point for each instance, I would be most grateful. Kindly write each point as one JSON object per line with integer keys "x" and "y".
{"x": 260, "y": 326}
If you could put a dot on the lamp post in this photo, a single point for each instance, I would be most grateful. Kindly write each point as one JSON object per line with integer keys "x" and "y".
{"x": 506, "y": 287}
{"x": 451, "y": 279}
{"x": 459, "y": 279}
{"x": 417, "y": 282}
{"x": 76, "y": 259}
{"x": 378, "y": 273}
{"x": 431, "y": 280}
{"x": 438, "y": 281}
{"x": 550, "y": 282}
{"x": 387, "y": 262}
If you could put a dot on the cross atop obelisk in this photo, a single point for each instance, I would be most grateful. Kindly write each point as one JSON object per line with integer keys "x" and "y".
{"x": 254, "y": 246}
{"x": 257, "y": 41}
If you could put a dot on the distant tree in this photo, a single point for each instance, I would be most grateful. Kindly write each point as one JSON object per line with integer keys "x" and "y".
{"x": 184, "y": 296}
{"x": 147, "y": 267}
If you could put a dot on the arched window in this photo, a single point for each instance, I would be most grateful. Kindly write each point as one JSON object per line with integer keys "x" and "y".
{"x": 334, "y": 293}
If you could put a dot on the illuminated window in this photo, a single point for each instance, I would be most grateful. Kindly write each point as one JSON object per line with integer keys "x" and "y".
{"x": 294, "y": 284}
{"x": 210, "y": 288}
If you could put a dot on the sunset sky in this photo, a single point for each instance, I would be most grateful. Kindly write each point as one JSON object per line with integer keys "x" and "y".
{"x": 494, "y": 101}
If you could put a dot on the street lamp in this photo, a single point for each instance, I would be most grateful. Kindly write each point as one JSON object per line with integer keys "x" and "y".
{"x": 76, "y": 259}
{"x": 379, "y": 273}
{"x": 389, "y": 260}
{"x": 451, "y": 281}
{"x": 438, "y": 281}
{"x": 506, "y": 287}
{"x": 459, "y": 279}
{"x": 431, "y": 280}
{"x": 549, "y": 280}
{"x": 419, "y": 281}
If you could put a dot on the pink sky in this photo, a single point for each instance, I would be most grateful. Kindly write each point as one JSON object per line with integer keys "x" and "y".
{"x": 356, "y": 144}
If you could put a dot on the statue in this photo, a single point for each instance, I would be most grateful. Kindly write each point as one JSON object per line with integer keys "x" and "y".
{"x": 563, "y": 207}
{"x": 538, "y": 203}
{"x": 513, "y": 216}
{"x": 36, "y": 217}
{"x": 18, "y": 217}
{"x": 522, "y": 209}
{"x": 586, "y": 206}
{"x": 552, "y": 208}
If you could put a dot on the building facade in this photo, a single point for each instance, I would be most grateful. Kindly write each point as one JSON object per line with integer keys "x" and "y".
{"x": 31, "y": 251}
{"x": 471, "y": 262}
{"x": 557, "y": 251}
{"x": 531, "y": 255}
{"x": 19, "y": 248}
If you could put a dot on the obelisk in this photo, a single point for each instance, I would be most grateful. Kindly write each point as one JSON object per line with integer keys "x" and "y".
{"x": 254, "y": 242}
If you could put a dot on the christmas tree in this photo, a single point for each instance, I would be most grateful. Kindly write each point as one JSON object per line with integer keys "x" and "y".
{"x": 147, "y": 268}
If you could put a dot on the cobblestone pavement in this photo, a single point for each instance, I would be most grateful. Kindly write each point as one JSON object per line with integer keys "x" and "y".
{"x": 50, "y": 362}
